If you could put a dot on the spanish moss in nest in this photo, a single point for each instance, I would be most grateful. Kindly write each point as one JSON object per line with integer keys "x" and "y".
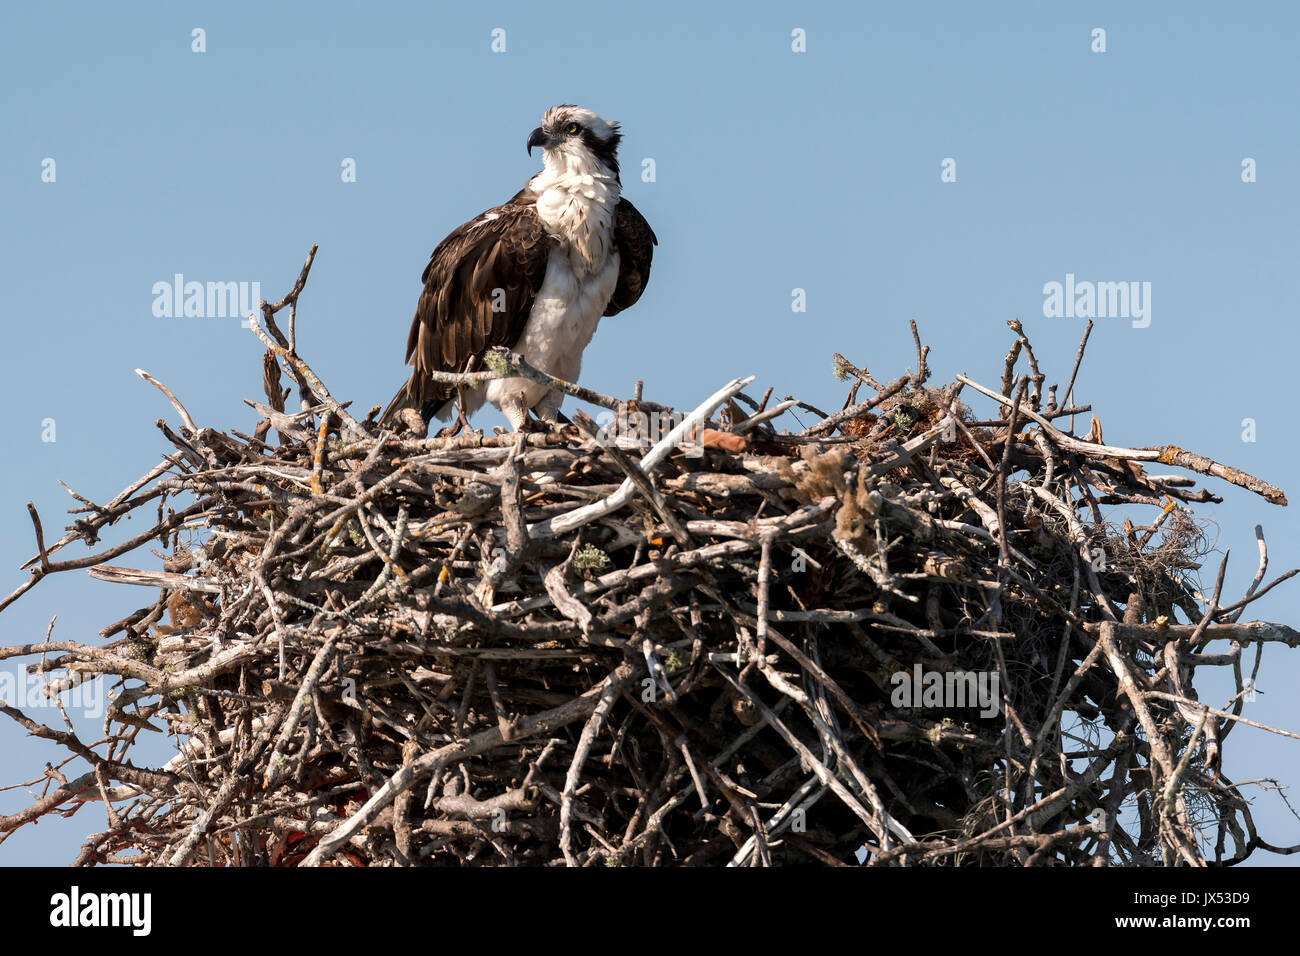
{"x": 905, "y": 635}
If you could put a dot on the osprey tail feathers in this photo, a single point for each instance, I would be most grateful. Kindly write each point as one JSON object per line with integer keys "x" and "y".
{"x": 408, "y": 396}
{"x": 405, "y": 398}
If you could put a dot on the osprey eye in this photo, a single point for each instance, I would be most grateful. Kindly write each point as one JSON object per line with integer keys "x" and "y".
{"x": 573, "y": 129}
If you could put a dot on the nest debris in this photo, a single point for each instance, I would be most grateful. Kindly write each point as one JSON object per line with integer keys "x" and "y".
{"x": 661, "y": 640}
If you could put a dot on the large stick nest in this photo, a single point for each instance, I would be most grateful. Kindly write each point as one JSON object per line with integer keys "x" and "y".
{"x": 644, "y": 645}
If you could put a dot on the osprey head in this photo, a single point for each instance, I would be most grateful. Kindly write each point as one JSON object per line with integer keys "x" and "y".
{"x": 578, "y": 139}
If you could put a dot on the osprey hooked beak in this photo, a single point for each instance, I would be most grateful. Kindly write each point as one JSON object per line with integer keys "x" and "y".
{"x": 538, "y": 137}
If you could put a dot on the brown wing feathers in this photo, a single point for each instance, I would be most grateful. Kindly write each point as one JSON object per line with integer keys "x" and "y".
{"x": 635, "y": 241}
{"x": 454, "y": 320}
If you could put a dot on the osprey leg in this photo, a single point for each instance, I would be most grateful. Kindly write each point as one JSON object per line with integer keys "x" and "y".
{"x": 515, "y": 412}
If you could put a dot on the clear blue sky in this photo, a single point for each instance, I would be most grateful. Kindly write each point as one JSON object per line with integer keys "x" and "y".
{"x": 775, "y": 170}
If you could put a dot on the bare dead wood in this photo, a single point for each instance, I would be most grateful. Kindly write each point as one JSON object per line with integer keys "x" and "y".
{"x": 592, "y": 646}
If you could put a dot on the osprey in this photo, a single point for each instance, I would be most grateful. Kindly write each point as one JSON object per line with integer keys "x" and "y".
{"x": 534, "y": 274}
